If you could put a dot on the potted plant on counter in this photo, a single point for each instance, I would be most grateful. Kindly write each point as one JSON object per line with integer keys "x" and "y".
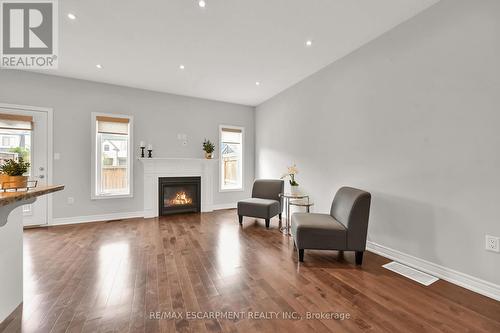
{"x": 12, "y": 173}
{"x": 209, "y": 148}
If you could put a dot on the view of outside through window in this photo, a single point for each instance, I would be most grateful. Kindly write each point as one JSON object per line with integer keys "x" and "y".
{"x": 15, "y": 144}
{"x": 231, "y": 159}
{"x": 114, "y": 163}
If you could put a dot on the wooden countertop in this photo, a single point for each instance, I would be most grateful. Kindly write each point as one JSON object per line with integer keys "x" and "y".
{"x": 7, "y": 198}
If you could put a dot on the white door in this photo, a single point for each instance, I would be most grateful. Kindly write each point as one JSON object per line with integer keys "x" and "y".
{"x": 33, "y": 146}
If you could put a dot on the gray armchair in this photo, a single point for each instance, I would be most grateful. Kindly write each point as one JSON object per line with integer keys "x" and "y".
{"x": 265, "y": 202}
{"x": 345, "y": 228}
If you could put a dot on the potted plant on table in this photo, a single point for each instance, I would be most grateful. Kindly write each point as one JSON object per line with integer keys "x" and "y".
{"x": 12, "y": 173}
{"x": 292, "y": 171}
{"x": 209, "y": 148}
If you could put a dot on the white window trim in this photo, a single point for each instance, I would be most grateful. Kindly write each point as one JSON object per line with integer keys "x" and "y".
{"x": 242, "y": 189}
{"x": 93, "y": 166}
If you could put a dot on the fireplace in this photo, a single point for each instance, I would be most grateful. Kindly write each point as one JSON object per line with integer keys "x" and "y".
{"x": 179, "y": 195}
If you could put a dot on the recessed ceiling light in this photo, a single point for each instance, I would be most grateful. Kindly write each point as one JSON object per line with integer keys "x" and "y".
{"x": 98, "y": 66}
{"x": 257, "y": 83}
{"x": 71, "y": 16}
{"x": 181, "y": 67}
{"x": 309, "y": 42}
{"x": 202, "y": 3}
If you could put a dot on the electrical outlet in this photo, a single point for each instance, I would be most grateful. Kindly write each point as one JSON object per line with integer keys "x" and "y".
{"x": 492, "y": 243}
{"x": 71, "y": 200}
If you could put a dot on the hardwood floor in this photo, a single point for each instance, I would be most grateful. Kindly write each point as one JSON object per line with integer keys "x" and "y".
{"x": 109, "y": 277}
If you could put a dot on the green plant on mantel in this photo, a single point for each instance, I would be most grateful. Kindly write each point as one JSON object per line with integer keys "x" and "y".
{"x": 208, "y": 146}
{"x": 15, "y": 168}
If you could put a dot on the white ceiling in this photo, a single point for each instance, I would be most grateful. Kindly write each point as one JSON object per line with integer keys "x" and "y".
{"x": 225, "y": 47}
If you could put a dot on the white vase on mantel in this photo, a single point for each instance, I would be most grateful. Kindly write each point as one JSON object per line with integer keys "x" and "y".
{"x": 294, "y": 189}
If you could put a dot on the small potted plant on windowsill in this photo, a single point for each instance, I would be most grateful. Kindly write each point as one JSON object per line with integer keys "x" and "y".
{"x": 209, "y": 148}
{"x": 12, "y": 173}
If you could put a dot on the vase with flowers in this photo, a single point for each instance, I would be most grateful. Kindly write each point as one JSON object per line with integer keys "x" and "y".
{"x": 290, "y": 174}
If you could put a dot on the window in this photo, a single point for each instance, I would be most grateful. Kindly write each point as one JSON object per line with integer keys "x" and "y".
{"x": 6, "y": 141}
{"x": 112, "y": 156}
{"x": 231, "y": 158}
{"x": 15, "y": 135}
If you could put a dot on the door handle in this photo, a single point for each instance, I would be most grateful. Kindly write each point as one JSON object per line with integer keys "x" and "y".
{"x": 41, "y": 176}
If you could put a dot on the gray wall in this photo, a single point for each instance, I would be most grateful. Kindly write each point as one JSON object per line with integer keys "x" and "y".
{"x": 412, "y": 117}
{"x": 158, "y": 118}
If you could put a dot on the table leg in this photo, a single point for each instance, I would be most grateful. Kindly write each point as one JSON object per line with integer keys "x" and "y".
{"x": 288, "y": 220}
{"x": 282, "y": 228}
{"x": 286, "y": 228}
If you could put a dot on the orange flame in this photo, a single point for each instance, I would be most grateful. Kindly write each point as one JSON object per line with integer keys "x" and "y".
{"x": 181, "y": 198}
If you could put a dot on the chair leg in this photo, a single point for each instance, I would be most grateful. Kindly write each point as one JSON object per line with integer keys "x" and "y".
{"x": 279, "y": 216}
{"x": 268, "y": 221}
{"x": 301, "y": 255}
{"x": 240, "y": 218}
{"x": 359, "y": 257}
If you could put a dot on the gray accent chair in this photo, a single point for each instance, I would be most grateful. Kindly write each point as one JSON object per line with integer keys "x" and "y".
{"x": 344, "y": 229}
{"x": 265, "y": 202}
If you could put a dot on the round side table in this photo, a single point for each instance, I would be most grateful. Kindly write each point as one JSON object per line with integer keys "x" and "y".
{"x": 303, "y": 203}
{"x": 287, "y": 198}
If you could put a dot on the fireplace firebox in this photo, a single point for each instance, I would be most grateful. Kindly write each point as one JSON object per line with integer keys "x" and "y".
{"x": 179, "y": 195}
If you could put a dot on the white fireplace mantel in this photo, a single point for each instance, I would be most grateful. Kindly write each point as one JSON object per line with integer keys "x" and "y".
{"x": 155, "y": 168}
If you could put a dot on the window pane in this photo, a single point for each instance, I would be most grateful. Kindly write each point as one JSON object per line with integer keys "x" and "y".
{"x": 114, "y": 164}
{"x": 15, "y": 144}
{"x": 231, "y": 160}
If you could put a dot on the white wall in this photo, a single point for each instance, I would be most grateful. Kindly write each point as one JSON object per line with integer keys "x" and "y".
{"x": 158, "y": 118}
{"x": 413, "y": 117}
{"x": 11, "y": 262}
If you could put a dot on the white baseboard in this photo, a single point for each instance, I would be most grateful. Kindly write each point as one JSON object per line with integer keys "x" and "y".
{"x": 461, "y": 279}
{"x": 224, "y": 206}
{"x": 96, "y": 218}
{"x": 119, "y": 216}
